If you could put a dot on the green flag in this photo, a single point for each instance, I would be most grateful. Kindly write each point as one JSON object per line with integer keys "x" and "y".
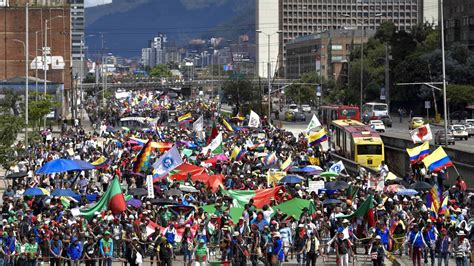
{"x": 235, "y": 213}
{"x": 113, "y": 199}
{"x": 362, "y": 210}
{"x": 293, "y": 207}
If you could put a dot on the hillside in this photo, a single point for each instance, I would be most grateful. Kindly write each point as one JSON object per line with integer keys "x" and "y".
{"x": 127, "y": 25}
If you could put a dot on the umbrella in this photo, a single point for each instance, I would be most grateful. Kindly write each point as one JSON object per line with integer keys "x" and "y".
{"x": 135, "y": 174}
{"x": 328, "y": 174}
{"x": 173, "y": 192}
{"x": 394, "y": 188}
{"x": 163, "y": 202}
{"x": 135, "y": 203}
{"x": 407, "y": 192}
{"x": 311, "y": 169}
{"x": 336, "y": 185}
{"x": 292, "y": 179}
{"x": 138, "y": 192}
{"x": 36, "y": 191}
{"x": 16, "y": 175}
{"x": 189, "y": 189}
{"x": 64, "y": 165}
{"x": 126, "y": 129}
{"x": 331, "y": 201}
{"x": 421, "y": 186}
{"x": 63, "y": 193}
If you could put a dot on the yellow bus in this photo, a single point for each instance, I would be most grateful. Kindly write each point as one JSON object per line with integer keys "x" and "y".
{"x": 357, "y": 142}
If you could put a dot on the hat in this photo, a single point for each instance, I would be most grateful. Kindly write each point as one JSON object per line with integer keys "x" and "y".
{"x": 461, "y": 233}
{"x": 378, "y": 237}
{"x": 135, "y": 238}
{"x": 236, "y": 234}
{"x": 107, "y": 233}
{"x": 301, "y": 225}
{"x": 405, "y": 200}
{"x": 187, "y": 226}
{"x": 202, "y": 241}
{"x": 345, "y": 221}
{"x": 428, "y": 221}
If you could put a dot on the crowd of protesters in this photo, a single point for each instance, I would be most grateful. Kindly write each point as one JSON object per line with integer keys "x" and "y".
{"x": 43, "y": 229}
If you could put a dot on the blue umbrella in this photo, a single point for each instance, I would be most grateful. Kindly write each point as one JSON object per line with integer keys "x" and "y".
{"x": 292, "y": 179}
{"x": 64, "y": 165}
{"x": 135, "y": 203}
{"x": 311, "y": 169}
{"x": 63, "y": 193}
{"x": 36, "y": 191}
{"x": 407, "y": 192}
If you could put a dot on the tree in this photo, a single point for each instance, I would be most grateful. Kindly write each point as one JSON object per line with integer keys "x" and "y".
{"x": 10, "y": 126}
{"x": 10, "y": 102}
{"x": 241, "y": 92}
{"x": 160, "y": 71}
{"x": 38, "y": 109}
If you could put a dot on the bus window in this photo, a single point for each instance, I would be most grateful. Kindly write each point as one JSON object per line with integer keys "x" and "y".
{"x": 369, "y": 149}
{"x": 348, "y": 146}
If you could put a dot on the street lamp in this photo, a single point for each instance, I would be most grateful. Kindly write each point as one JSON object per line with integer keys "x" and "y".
{"x": 362, "y": 56}
{"x": 26, "y": 88}
{"x": 269, "y": 72}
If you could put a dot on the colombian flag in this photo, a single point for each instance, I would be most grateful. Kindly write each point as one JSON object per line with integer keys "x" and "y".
{"x": 286, "y": 166}
{"x": 142, "y": 162}
{"x": 444, "y": 207}
{"x": 317, "y": 137}
{"x": 227, "y": 125}
{"x": 102, "y": 162}
{"x": 185, "y": 118}
{"x": 437, "y": 160}
{"x": 418, "y": 153}
{"x": 237, "y": 154}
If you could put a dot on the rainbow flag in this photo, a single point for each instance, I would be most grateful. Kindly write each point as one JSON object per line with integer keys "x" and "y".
{"x": 270, "y": 159}
{"x": 418, "y": 153}
{"x": 102, "y": 162}
{"x": 317, "y": 137}
{"x": 237, "y": 154}
{"x": 185, "y": 118}
{"x": 227, "y": 125}
{"x": 142, "y": 162}
{"x": 286, "y": 166}
{"x": 433, "y": 198}
{"x": 437, "y": 160}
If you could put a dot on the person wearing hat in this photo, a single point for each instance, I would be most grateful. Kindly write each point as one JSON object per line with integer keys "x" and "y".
{"x": 238, "y": 250}
{"x": 170, "y": 233}
{"x": 201, "y": 253}
{"x": 74, "y": 251}
{"x": 377, "y": 251}
{"x": 106, "y": 248}
{"x": 442, "y": 246}
{"x": 430, "y": 234}
{"x": 342, "y": 246}
{"x": 278, "y": 254}
{"x": 165, "y": 252}
{"x": 312, "y": 249}
{"x": 461, "y": 248}
{"x": 416, "y": 244}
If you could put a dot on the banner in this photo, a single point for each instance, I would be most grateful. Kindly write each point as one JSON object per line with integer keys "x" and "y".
{"x": 149, "y": 184}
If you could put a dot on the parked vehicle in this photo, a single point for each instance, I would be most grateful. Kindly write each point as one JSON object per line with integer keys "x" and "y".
{"x": 416, "y": 122}
{"x": 306, "y": 108}
{"x": 459, "y": 131}
{"x": 469, "y": 123}
{"x": 377, "y": 125}
{"x": 299, "y": 116}
{"x": 293, "y": 107}
{"x": 440, "y": 138}
{"x": 387, "y": 120}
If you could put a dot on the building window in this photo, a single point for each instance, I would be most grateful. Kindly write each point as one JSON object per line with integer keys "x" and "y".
{"x": 336, "y": 47}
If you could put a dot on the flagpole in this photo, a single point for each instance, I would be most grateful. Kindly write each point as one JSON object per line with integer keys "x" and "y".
{"x": 456, "y": 169}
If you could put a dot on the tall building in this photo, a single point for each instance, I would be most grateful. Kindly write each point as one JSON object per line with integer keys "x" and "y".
{"x": 430, "y": 11}
{"x": 267, "y": 22}
{"x": 459, "y": 22}
{"x": 154, "y": 54}
{"x": 77, "y": 36}
{"x": 299, "y": 18}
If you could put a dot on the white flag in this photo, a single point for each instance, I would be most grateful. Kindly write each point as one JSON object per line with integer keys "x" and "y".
{"x": 167, "y": 162}
{"x": 337, "y": 167}
{"x": 198, "y": 125}
{"x": 421, "y": 134}
{"x": 314, "y": 123}
{"x": 215, "y": 146}
{"x": 254, "y": 120}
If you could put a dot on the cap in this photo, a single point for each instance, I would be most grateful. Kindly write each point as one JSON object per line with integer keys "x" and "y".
{"x": 378, "y": 237}
{"x": 345, "y": 221}
{"x": 428, "y": 221}
{"x": 301, "y": 225}
{"x": 202, "y": 241}
{"x": 107, "y": 233}
{"x": 135, "y": 238}
{"x": 461, "y": 233}
{"x": 276, "y": 234}
{"x": 236, "y": 234}
{"x": 187, "y": 226}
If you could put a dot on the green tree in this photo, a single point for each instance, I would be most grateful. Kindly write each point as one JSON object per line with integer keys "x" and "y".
{"x": 10, "y": 126}
{"x": 160, "y": 71}
{"x": 10, "y": 102}
{"x": 38, "y": 109}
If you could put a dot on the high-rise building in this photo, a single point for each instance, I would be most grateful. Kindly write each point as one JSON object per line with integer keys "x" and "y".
{"x": 430, "y": 11}
{"x": 268, "y": 38}
{"x": 459, "y": 22}
{"x": 299, "y": 18}
{"x": 77, "y": 36}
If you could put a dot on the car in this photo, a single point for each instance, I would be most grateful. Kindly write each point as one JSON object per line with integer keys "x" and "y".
{"x": 416, "y": 122}
{"x": 387, "y": 120}
{"x": 459, "y": 131}
{"x": 306, "y": 108}
{"x": 440, "y": 138}
{"x": 377, "y": 125}
{"x": 469, "y": 123}
{"x": 293, "y": 107}
{"x": 299, "y": 116}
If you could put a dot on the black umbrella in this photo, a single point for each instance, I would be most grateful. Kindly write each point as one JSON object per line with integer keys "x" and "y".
{"x": 173, "y": 192}
{"x": 421, "y": 186}
{"x": 16, "y": 175}
{"x": 336, "y": 185}
{"x": 331, "y": 201}
{"x": 138, "y": 192}
{"x": 163, "y": 202}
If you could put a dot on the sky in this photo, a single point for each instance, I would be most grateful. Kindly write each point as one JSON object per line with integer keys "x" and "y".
{"x": 90, "y": 3}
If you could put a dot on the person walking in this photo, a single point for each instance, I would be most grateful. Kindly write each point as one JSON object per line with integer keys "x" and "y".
{"x": 312, "y": 249}
{"x": 417, "y": 243}
{"x": 342, "y": 249}
{"x": 442, "y": 246}
{"x": 201, "y": 253}
{"x": 377, "y": 251}
{"x": 461, "y": 249}
{"x": 278, "y": 250}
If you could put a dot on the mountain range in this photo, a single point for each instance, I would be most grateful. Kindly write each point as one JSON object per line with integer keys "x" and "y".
{"x": 128, "y": 25}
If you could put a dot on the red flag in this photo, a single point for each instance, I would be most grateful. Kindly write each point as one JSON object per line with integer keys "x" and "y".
{"x": 214, "y": 133}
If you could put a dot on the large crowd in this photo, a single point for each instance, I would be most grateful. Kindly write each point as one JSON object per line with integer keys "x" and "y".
{"x": 178, "y": 227}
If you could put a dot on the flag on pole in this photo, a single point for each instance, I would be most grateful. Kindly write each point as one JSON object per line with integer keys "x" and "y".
{"x": 113, "y": 200}
{"x": 166, "y": 163}
{"x": 286, "y": 166}
{"x": 214, "y": 132}
{"x": 102, "y": 162}
{"x": 142, "y": 162}
{"x": 254, "y": 120}
{"x": 313, "y": 124}
{"x": 418, "y": 153}
{"x": 261, "y": 197}
{"x": 198, "y": 125}
{"x": 337, "y": 167}
{"x": 443, "y": 209}
{"x": 237, "y": 154}
{"x": 433, "y": 198}
{"x": 437, "y": 160}
{"x": 185, "y": 118}
{"x": 215, "y": 146}
{"x": 270, "y": 159}
{"x": 421, "y": 134}
{"x": 317, "y": 137}
{"x": 227, "y": 125}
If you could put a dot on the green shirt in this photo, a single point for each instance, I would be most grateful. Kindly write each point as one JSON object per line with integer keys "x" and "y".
{"x": 31, "y": 249}
{"x": 201, "y": 253}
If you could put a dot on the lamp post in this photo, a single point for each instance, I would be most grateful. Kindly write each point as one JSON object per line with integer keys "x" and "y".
{"x": 362, "y": 56}
{"x": 25, "y": 49}
{"x": 36, "y": 63}
{"x": 269, "y": 72}
{"x": 444, "y": 76}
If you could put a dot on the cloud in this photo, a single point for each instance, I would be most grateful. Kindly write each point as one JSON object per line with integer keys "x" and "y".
{"x": 89, "y": 3}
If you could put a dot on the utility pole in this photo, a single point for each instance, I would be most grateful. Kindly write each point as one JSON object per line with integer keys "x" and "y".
{"x": 387, "y": 77}
{"x": 444, "y": 76}
{"x": 27, "y": 59}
